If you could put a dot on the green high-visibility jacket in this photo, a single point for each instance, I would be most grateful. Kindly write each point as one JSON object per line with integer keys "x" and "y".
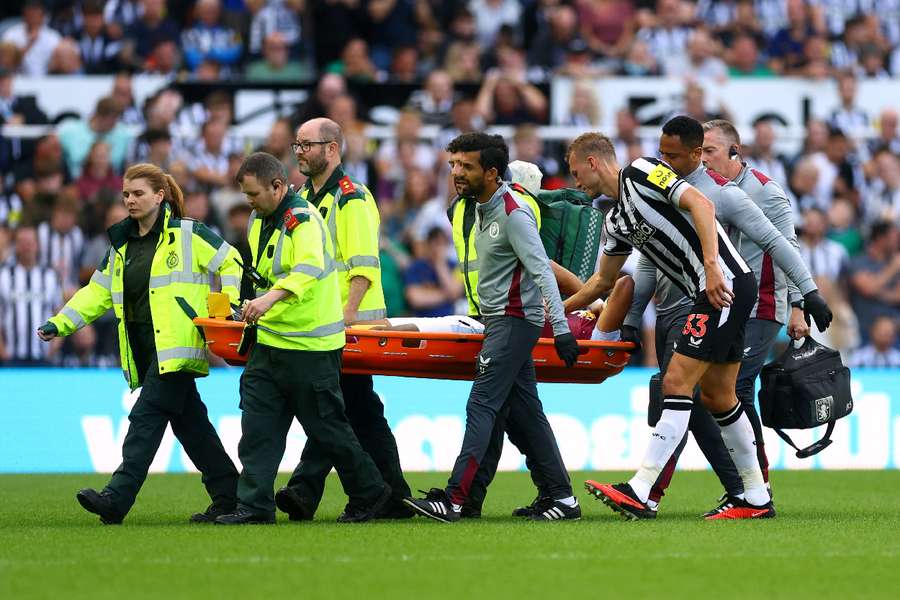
{"x": 462, "y": 217}
{"x": 352, "y": 218}
{"x": 298, "y": 257}
{"x": 186, "y": 254}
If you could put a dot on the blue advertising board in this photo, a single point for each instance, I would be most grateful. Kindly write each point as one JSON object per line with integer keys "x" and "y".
{"x": 74, "y": 420}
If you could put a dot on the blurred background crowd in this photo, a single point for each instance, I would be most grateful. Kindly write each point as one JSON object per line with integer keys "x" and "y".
{"x": 468, "y": 64}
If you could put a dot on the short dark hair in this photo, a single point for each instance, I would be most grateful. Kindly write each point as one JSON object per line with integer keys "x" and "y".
{"x": 492, "y": 149}
{"x": 262, "y": 165}
{"x": 688, "y": 130}
{"x": 879, "y": 230}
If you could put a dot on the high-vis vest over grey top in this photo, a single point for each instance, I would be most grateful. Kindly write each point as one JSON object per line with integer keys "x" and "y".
{"x": 515, "y": 273}
{"x": 744, "y": 222}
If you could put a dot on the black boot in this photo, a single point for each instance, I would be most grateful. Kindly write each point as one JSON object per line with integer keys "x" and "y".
{"x": 245, "y": 516}
{"x": 100, "y": 503}
{"x": 213, "y": 511}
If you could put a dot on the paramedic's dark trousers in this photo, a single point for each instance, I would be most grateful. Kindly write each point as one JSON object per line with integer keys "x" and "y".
{"x": 279, "y": 385}
{"x": 171, "y": 398}
{"x": 506, "y": 375}
{"x": 366, "y": 415}
{"x": 759, "y": 335}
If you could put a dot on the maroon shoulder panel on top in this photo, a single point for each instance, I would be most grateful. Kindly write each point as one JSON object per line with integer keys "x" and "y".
{"x": 509, "y": 203}
{"x": 718, "y": 178}
{"x": 761, "y": 177}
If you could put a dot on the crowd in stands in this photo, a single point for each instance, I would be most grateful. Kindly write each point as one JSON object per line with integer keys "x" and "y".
{"x": 59, "y": 192}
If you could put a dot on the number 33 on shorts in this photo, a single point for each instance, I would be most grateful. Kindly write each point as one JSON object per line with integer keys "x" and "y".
{"x": 695, "y": 325}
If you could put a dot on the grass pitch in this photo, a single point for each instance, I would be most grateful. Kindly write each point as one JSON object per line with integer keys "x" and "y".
{"x": 837, "y": 535}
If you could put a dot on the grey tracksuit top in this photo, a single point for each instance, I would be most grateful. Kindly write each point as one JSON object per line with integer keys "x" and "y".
{"x": 514, "y": 272}
{"x": 747, "y": 226}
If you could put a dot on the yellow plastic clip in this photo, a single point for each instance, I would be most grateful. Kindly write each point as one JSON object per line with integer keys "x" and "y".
{"x": 218, "y": 305}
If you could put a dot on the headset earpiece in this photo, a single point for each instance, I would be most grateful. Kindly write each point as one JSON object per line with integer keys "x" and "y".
{"x": 733, "y": 153}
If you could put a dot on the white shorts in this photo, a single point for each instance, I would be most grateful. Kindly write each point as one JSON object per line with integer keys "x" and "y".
{"x": 450, "y": 324}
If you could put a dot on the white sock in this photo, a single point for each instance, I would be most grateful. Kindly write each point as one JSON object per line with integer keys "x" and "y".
{"x": 570, "y": 501}
{"x": 606, "y": 336}
{"x": 737, "y": 433}
{"x": 665, "y": 438}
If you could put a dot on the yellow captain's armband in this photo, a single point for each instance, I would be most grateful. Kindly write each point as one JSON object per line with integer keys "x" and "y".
{"x": 662, "y": 176}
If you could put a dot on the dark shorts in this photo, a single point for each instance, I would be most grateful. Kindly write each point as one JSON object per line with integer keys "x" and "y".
{"x": 717, "y": 336}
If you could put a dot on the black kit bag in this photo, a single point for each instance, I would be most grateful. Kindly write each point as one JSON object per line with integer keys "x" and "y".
{"x": 804, "y": 388}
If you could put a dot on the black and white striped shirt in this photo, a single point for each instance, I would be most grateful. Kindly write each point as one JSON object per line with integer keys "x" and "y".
{"x": 28, "y": 297}
{"x": 648, "y": 216}
{"x": 870, "y": 356}
{"x": 61, "y": 252}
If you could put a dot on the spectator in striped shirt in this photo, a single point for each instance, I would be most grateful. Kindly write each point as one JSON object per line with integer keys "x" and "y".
{"x": 61, "y": 242}
{"x": 882, "y": 350}
{"x": 28, "y": 292}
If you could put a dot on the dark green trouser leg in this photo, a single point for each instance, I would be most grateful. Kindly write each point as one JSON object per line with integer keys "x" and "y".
{"x": 171, "y": 399}
{"x": 278, "y": 384}
{"x": 365, "y": 412}
{"x": 203, "y": 446}
{"x": 147, "y": 424}
{"x": 265, "y": 421}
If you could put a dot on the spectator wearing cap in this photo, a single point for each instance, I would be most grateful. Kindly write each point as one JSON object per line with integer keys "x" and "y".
{"x": 881, "y": 352}
{"x": 276, "y": 64}
{"x": 99, "y": 52}
{"x": 875, "y": 276}
{"x": 34, "y": 38}
{"x": 849, "y": 117}
{"x": 78, "y": 136}
{"x": 435, "y": 100}
{"x": 149, "y": 30}
{"x": 210, "y": 41}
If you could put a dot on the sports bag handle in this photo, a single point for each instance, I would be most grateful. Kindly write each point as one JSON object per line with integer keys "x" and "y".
{"x": 813, "y": 448}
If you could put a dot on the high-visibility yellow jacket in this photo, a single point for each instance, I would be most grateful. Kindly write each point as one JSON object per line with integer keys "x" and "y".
{"x": 462, "y": 217}
{"x": 186, "y": 254}
{"x": 297, "y": 256}
{"x": 352, "y": 218}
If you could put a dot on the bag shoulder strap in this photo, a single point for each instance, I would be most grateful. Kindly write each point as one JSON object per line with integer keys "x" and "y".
{"x": 813, "y": 448}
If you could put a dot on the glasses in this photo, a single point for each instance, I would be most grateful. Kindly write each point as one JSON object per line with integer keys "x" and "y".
{"x": 305, "y": 147}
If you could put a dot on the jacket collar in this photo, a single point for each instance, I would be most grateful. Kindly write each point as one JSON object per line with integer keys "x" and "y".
{"x": 120, "y": 233}
{"x": 495, "y": 200}
{"x": 332, "y": 183}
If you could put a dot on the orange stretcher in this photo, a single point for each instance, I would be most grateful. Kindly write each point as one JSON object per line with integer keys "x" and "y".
{"x": 434, "y": 355}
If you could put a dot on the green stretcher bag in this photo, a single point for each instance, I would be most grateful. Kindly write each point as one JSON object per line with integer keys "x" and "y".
{"x": 570, "y": 229}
